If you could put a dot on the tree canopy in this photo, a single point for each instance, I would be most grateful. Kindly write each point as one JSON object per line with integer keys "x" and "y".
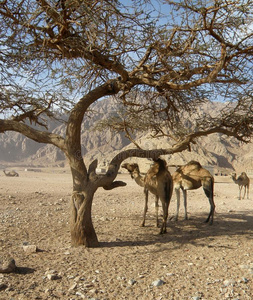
{"x": 182, "y": 53}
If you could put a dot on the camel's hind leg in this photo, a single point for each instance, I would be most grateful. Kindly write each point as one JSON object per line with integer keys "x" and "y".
{"x": 165, "y": 206}
{"x": 178, "y": 202}
{"x": 209, "y": 194}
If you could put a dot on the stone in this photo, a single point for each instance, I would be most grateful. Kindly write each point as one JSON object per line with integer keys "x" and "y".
{"x": 158, "y": 282}
{"x": 3, "y": 286}
{"x": 228, "y": 282}
{"x": 131, "y": 282}
{"x": 7, "y": 264}
{"x": 52, "y": 275}
{"x": 30, "y": 248}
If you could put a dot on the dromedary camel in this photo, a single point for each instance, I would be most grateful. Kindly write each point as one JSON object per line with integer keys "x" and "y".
{"x": 190, "y": 177}
{"x": 11, "y": 173}
{"x": 242, "y": 181}
{"x": 159, "y": 182}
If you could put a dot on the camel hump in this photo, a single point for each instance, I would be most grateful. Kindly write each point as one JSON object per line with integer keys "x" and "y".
{"x": 161, "y": 164}
{"x": 194, "y": 164}
{"x": 158, "y": 167}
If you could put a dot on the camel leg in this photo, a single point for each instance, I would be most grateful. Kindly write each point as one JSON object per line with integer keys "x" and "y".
{"x": 178, "y": 203}
{"x": 244, "y": 192}
{"x": 240, "y": 191}
{"x": 165, "y": 206}
{"x": 185, "y": 204}
{"x": 145, "y": 207}
{"x": 248, "y": 191}
{"x": 157, "y": 209}
{"x": 209, "y": 194}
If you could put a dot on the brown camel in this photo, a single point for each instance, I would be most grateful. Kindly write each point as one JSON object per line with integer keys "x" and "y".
{"x": 159, "y": 182}
{"x": 190, "y": 177}
{"x": 242, "y": 181}
{"x": 11, "y": 174}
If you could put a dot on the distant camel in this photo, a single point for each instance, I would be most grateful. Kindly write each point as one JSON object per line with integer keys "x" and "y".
{"x": 11, "y": 173}
{"x": 242, "y": 181}
{"x": 159, "y": 182}
{"x": 190, "y": 177}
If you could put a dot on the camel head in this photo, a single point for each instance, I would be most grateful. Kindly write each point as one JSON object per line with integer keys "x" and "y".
{"x": 131, "y": 168}
{"x": 233, "y": 175}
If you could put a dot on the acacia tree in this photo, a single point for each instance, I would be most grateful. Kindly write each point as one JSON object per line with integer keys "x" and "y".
{"x": 62, "y": 56}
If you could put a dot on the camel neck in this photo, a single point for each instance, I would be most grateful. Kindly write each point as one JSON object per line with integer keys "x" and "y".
{"x": 138, "y": 178}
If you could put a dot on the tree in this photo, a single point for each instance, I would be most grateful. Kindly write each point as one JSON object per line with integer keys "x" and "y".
{"x": 62, "y": 56}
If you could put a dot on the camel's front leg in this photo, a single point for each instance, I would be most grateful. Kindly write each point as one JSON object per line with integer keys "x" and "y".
{"x": 240, "y": 191}
{"x": 185, "y": 204}
{"x": 244, "y": 192}
{"x": 157, "y": 208}
{"x": 145, "y": 207}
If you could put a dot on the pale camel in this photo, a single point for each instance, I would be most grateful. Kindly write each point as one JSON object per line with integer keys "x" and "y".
{"x": 190, "y": 177}
{"x": 11, "y": 173}
{"x": 242, "y": 181}
{"x": 159, "y": 182}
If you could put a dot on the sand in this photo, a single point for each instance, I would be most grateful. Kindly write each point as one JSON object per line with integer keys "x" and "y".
{"x": 192, "y": 261}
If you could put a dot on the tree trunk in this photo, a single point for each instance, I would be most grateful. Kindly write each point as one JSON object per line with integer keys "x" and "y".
{"x": 81, "y": 227}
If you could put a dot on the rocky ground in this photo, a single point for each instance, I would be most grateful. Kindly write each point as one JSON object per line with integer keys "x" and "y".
{"x": 192, "y": 261}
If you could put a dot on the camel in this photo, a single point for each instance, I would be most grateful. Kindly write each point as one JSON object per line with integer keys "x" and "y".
{"x": 242, "y": 181}
{"x": 190, "y": 177}
{"x": 159, "y": 182}
{"x": 11, "y": 173}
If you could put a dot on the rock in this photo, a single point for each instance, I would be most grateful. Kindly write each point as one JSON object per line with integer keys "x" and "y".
{"x": 73, "y": 286}
{"x": 158, "y": 282}
{"x": 3, "y": 286}
{"x": 52, "y": 275}
{"x": 228, "y": 282}
{"x": 80, "y": 295}
{"x": 30, "y": 248}
{"x": 7, "y": 264}
{"x": 131, "y": 282}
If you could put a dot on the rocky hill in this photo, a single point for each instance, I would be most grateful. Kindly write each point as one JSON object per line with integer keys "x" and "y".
{"x": 216, "y": 149}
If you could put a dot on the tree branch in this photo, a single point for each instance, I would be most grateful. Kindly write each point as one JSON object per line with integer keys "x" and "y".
{"x": 36, "y": 135}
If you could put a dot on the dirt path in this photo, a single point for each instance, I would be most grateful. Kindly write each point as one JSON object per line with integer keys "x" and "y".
{"x": 192, "y": 261}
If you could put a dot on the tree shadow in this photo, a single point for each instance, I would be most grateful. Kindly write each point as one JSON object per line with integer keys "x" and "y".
{"x": 193, "y": 231}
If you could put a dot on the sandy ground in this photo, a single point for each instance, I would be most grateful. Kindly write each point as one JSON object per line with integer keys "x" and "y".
{"x": 192, "y": 261}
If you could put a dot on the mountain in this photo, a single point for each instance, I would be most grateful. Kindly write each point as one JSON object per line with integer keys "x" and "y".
{"x": 216, "y": 149}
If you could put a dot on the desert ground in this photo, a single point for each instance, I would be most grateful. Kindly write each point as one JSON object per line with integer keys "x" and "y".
{"x": 193, "y": 260}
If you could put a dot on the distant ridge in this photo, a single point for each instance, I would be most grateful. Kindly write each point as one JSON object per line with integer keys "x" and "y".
{"x": 216, "y": 150}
